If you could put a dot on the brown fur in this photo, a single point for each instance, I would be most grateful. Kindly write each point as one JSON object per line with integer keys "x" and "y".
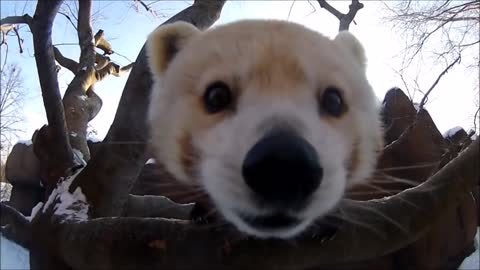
{"x": 188, "y": 154}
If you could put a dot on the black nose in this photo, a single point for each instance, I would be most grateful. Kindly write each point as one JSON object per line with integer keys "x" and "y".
{"x": 282, "y": 168}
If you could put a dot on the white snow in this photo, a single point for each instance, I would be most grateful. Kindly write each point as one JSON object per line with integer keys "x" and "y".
{"x": 474, "y": 137}
{"x": 13, "y": 256}
{"x": 5, "y": 191}
{"x": 150, "y": 161}
{"x": 417, "y": 106}
{"x": 73, "y": 134}
{"x": 78, "y": 156}
{"x": 82, "y": 97}
{"x": 26, "y": 142}
{"x": 451, "y": 132}
{"x": 94, "y": 139}
{"x": 71, "y": 206}
{"x": 35, "y": 210}
{"x": 473, "y": 261}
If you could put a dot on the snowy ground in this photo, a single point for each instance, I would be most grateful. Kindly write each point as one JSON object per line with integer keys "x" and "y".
{"x": 14, "y": 257}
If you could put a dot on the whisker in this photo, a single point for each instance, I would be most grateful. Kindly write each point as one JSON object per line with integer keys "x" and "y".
{"x": 344, "y": 216}
{"x": 380, "y": 214}
{"x": 397, "y": 168}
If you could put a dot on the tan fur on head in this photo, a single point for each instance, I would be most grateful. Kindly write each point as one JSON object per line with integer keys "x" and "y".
{"x": 165, "y": 42}
{"x": 277, "y": 73}
{"x": 352, "y": 46}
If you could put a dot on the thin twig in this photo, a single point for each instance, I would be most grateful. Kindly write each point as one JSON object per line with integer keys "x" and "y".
{"x": 424, "y": 99}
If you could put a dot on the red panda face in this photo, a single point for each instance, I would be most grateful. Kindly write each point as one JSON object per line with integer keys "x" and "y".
{"x": 273, "y": 120}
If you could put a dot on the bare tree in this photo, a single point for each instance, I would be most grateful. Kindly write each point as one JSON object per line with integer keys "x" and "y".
{"x": 440, "y": 30}
{"x": 12, "y": 95}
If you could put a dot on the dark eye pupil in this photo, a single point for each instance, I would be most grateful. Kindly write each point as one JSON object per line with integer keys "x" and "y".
{"x": 217, "y": 97}
{"x": 332, "y": 102}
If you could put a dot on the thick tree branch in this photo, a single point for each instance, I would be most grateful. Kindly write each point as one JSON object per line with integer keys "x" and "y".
{"x": 65, "y": 61}
{"x": 380, "y": 227}
{"x": 156, "y": 206}
{"x": 85, "y": 35}
{"x": 345, "y": 19}
{"x": 25, "y": 19}
{"x": 107, "y": 179}
{"x": 74, "y": 102}
{"x": 44, "y": 56}
{"x": 18, "y": 228}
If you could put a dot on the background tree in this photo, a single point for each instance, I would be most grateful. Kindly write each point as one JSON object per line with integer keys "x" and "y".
{"x": 445, "y": 32}
{"x": 12, "y": 96}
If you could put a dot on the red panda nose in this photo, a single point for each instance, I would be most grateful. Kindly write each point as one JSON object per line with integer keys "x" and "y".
{"x": 282, "y": 168}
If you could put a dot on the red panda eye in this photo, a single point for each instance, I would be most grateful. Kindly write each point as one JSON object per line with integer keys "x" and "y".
{"x": 217, "y": 97}
{"x": 332, "y": 102}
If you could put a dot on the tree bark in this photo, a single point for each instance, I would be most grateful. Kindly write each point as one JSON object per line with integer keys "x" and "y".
{"x": 107, "y": 178}
{"x": 56, "y": 159}
{"x": 379, "y": 228}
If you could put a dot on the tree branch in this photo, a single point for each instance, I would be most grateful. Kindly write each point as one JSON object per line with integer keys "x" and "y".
{"x": 345, "y": 19}
{"x": 44, "y": 56}
{"x": 85, "y": 35}
{"x": 25, "y": 19}
{"x": 156, "y": 206}
{"x": 65, "y": 61}
{"x": 155, "y": 243}
{"x": 424, "y": 99}
{"x": 18, "y": 228}
{"x": 107, "y": 179}
{"x": 112, "y": 69}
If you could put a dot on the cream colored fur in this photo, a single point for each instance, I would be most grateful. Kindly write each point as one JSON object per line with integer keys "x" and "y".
{"x": 277, "y": 70}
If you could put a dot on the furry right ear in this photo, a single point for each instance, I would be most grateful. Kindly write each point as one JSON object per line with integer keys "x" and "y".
{"x": 352, "y": 45}
{"x": 165, "y": 41}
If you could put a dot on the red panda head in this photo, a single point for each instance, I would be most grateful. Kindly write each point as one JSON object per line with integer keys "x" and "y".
{"x": 272, "y": 119}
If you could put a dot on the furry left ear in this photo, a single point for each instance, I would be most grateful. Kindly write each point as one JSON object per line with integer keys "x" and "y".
{"x": 164, "y": 43}
{"x": 351, "y": 44}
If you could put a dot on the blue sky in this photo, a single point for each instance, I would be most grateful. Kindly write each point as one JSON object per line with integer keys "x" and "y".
{"x": 451, "y": 104}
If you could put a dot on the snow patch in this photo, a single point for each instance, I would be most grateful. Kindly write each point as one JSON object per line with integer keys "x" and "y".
{"x": 13, "y": 256}
{"x": 94, "y": 139}
{"x": 35, "y": 210}
{"x": 70, "y": 206}
{"x": 150, "y": 161}
{"x": 26, "y": 142}
{"x": 452, "y": 131}
{"x": 472, "y": 261}
{"x": 416, "y": 106}
{"x": 5, "y": 191}
{"x": 73, "y": 134}
{"x": 78, "y": 157}
{"x": 82, "y": 97}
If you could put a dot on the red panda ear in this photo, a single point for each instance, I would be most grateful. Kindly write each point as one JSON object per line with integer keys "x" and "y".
{"x": 352, "y": 45}
{"x": 165, "y": 41}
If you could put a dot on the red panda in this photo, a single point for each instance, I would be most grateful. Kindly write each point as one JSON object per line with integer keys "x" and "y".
{"x": 273, "y": 120}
